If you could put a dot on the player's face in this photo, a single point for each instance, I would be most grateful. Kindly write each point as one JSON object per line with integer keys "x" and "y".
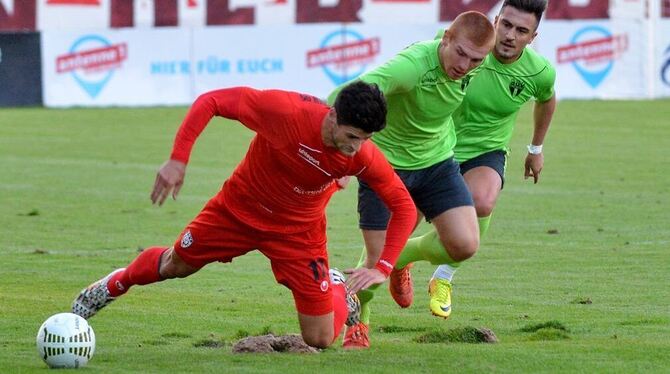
{"x": 515, "y": 29}
{"x": 459, "y": 56}
{"x": 349, "y": 139}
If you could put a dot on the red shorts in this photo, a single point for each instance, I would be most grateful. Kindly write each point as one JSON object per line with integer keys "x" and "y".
{"x": 299, "y": 261}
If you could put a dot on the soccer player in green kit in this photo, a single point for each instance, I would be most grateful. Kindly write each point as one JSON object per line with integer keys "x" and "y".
{"x": 423, "y": 86}
{"x": 511, "y": 75}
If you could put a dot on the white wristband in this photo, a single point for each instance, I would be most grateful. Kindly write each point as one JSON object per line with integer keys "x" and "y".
{"x": 534, "y": 149}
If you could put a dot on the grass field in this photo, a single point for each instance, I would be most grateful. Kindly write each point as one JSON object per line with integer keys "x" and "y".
{"x": 587, "y": 248}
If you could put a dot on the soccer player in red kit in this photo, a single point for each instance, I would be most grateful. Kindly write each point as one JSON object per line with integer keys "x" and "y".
{"x": 275, "y": 201}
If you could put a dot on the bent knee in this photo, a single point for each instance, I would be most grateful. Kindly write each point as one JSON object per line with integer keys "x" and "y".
{"x": 484, "y": 204}
{"x": 317, "y": 341}
{"x": 462, "y": 248}
{"x": 484, "y": 208}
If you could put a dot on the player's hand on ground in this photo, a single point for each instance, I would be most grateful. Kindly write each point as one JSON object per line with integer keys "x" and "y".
{"x": 533, "y": 166}
{"x": 362, "y": 278}
{"x": 169, "y": 179}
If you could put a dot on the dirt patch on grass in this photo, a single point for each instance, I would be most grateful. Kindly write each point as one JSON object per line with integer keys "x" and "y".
{"x": 210, "y": 342}
{"x": 466, "y": 334}
{"x": 155, "y": 342}
{"x": 556, "y": 325}
{"x": 270, "y": 344}
{"x": 31, "y": 213}
{"x": 550, "y": 330}
{"x": 549, "y": 334}
{"x": 396, "y": 328}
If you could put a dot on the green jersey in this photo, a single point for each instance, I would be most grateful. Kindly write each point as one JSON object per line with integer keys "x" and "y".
{"x": 420, "y": 98}
{"x": 485, "y": 120}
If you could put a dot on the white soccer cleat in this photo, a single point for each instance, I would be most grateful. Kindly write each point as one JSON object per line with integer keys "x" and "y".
{"x": 94, "y": 297}
{"x": 353, "y": 303}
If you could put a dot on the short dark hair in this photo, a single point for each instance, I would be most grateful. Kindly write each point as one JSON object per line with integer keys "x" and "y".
{"x": 537, "y": 7}
{"x": 361, "y": 105}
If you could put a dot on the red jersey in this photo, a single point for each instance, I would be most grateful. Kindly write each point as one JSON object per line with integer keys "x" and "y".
{"x": 288, "y": 175}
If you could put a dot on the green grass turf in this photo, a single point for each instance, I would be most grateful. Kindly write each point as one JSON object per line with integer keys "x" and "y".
{"x": 572, "y": 277}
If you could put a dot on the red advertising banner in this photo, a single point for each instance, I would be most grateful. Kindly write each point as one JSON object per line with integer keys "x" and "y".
{"x": 18, "y": 15}
{"x": 73, "y": 2}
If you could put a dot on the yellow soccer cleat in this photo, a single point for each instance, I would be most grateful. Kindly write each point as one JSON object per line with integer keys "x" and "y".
{"x": 440, "y": 297}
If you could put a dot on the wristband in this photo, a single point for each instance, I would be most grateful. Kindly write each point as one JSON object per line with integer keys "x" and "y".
{"x": 534, "y": 149}
{"x": 384, "y": 266}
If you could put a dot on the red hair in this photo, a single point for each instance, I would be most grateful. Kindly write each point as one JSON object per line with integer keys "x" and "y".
{"x": 475, "y": 26}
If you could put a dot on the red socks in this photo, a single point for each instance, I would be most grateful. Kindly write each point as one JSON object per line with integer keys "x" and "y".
{"x": 143, "y": 270}
{"x": 339, "y": 308}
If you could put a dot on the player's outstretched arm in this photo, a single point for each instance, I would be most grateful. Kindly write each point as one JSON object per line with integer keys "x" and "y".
{"x": 169, "y": 179}
{"x": 543, "y": 112}
{"x": 170, "y": 176}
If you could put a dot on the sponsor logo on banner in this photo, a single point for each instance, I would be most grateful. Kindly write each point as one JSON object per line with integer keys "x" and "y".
{"x": 92, "y": 61}
{"x": 592, "y": 52}
{"x": 665, "y": 68}
{"x": 343, "y": 55}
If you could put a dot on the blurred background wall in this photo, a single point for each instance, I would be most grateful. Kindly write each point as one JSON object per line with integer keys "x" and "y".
{"x": 61, "y": 53}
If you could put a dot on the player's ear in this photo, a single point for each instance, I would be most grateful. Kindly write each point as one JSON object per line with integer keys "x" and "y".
{"x": 447, "y": 35}
{"x": 332, "y": 116}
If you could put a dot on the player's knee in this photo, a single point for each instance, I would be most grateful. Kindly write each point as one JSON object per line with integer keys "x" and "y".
{"x": 462, "y": 248}
{"x": 484, "y": 204}
{"x": 484, "y": 208}
{"x": 317, "y": 340}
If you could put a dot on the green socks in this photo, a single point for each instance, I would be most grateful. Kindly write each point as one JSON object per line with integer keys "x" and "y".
{"x": 427, "y": 247}
{"x": 366, "y": 295}
{"x": 484, "y": 223}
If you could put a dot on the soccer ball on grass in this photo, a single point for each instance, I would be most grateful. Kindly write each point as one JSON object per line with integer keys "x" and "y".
{"x": 65, "y": 340}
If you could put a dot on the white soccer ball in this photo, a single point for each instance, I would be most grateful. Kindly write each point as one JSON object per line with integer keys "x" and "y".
{"x": 65, "y": 340}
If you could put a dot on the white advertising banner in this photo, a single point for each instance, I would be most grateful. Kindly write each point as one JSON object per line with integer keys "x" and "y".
{"x": 171, "y": 66}
{"x": 598, "y": 59}
{"x": 310, "y": 59}
{"x": 661, "y": 75}
{"x": 126, "y": 67}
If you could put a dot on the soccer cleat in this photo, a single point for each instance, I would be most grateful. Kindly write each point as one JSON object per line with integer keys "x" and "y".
{"x": 440, "y": 297}
{"x": 356, "y": 337}
{"x": 93, "y": 298}
{"x": 400, "y": 286}
{"x": 353, "y": 303}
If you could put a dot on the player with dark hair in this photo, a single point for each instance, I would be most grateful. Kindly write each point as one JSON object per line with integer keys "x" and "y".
{"x": 510, "y": 76}
{"x": 275, "y": 201}
{"x": 424, "y": 84}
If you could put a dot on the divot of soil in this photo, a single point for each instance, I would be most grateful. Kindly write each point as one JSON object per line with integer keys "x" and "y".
{"x": 466, "y": 334}
{"x": 270, "y": 344}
